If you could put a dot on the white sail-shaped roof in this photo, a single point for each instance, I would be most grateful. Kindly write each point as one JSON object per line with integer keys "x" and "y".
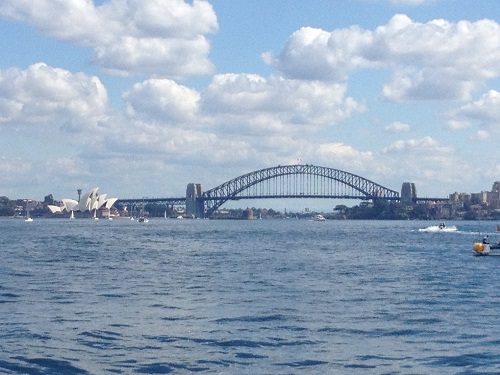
{"x": 101, "y": 201}
{"x": 88, "y": 202}
{"x": 55, "y": 209}
{"x": 93, "y": 199}
{"x": 69, "y": 204}
{"x": 83, "y": 203}
{"x": 110, "y": 202}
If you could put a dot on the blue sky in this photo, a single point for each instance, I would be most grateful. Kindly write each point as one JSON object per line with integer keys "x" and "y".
{"x": 141, "y": 98}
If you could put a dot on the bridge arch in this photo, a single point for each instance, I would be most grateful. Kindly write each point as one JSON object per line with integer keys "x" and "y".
{"x": 295, "y": 181}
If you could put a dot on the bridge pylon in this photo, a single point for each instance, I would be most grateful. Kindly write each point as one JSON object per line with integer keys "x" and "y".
{"x": 194, "y": 205}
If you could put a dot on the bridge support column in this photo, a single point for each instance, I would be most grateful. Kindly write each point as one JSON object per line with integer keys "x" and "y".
{"x": 408, "y": 193}
{"x": 194, "y": 205}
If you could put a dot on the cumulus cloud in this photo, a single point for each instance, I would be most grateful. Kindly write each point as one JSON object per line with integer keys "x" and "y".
{"x": 186, "y": 126}
{"x": 41, "y": 94}
{"x": 276, "y": 104}
{"x": 485, "y": 110}
{"x": 154, "y": 37}
{"x": 343, "y": 155}
{"x": 426, "y": 161}
{"x": 162, "y": 100}
{"x": 397, "y": 127}
{"x": 433, "y": 61}
{"x": 316, "y": 54}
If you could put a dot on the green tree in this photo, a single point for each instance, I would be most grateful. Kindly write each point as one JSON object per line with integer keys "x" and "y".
{"x": 7, "y": 207}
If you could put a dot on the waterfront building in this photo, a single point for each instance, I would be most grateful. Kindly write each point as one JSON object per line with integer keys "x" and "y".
{"x": 91, "y": 201}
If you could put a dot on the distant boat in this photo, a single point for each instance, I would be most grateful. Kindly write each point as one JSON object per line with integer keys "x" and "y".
{"x": 442, "y": 227}
{"x": 28, "y": 218}
{"x": 72, "y": 215}
{"x": 485, "y": 248}
{"x": 319, "y": 217}
{"x": 142, "y": 218}
{"x": 481, "y": 248}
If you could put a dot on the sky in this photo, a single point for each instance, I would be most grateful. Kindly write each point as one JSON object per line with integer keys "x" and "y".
{"x": 140, "y": 98}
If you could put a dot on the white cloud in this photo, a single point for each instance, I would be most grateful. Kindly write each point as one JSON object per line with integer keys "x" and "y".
{"x": 345, "y": 156}
{"x": 177, "y": 124}
{"x": 42, "y": 94}
{"x": 457, "y": 125}
{"x": 486, "y": 110}
{"x": 434, "y": 60}
{"x": 397, "y": 127}
{"x": 482, "y": 135}
{"x": 157, "y": 37}
{"x": 269, "y": 105}
{"x": 428, "y": 163}
{"x": 422, "y": 146}
{"x": 10, "y": 168}
{"x": 162, "y": 100}
{"x": 316, "y": 54}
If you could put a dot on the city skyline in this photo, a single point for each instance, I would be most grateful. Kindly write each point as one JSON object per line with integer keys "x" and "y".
{"x": 142, "y": 98}
{"x": 408, "y": 192}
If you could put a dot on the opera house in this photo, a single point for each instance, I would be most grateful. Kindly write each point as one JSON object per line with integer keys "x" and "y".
{"x": 90, "y": 201}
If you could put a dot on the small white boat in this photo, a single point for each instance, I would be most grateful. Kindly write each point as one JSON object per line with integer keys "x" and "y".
{"x": 442, "y": 227}
{"x": 142, "y": 219}
{"x": 28, "y": 218}
{"x": 319, "y": 217}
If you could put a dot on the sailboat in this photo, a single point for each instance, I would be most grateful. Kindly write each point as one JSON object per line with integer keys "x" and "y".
{"x": 72, "y": 215}
{"x": 28, "y": 218}
{"x": 142, "y": 218}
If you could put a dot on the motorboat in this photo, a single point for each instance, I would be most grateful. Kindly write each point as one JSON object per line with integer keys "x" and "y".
{"x": 143, "y": 219}
{"x": 442, "y": 227}
{"x": 319, "y": 217}
{"x": 481, "y": 248}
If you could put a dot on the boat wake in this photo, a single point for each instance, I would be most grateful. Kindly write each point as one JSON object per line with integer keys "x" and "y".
{"x": 439, "y": 228}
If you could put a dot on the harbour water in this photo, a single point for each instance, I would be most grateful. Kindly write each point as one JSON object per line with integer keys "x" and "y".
{"x": 246, "y": 297}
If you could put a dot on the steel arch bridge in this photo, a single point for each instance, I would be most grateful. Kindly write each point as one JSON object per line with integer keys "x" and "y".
{"x": 295, "y": 181}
